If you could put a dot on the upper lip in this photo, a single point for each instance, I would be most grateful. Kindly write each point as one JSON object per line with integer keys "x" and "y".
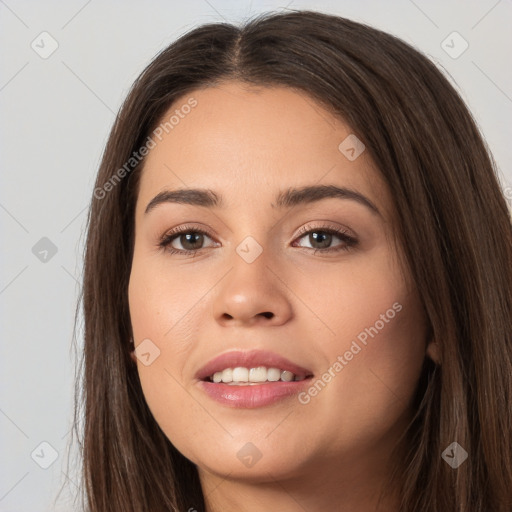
{"x": 250, "y": 359}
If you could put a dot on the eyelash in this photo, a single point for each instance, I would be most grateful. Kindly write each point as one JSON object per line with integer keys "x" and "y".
{"x": 349, "y": 241}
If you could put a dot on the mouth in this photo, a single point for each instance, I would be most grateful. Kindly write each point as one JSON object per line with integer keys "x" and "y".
{"x": 251, "y": 379}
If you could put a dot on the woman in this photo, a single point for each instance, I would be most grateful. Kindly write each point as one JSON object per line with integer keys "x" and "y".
{"x": 297, "y": 289}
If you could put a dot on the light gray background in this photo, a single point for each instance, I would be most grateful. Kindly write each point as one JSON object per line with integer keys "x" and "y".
{"x": 56, "y": 114}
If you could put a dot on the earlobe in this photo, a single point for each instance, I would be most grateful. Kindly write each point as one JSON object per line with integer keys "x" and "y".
{"x": 434, "y": 351}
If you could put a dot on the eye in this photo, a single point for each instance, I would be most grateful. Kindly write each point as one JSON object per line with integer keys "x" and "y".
{"x": 190, "y": 239}
{"x": 321, "y": 237}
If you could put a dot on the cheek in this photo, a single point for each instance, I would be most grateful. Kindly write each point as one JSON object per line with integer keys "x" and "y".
{"x": 169, "y": 314}
{"x": 375, "y": 354}
{"x": 163, "y": 307}
{"x": 343, "y": 299}
{"x": 380, "y": 367}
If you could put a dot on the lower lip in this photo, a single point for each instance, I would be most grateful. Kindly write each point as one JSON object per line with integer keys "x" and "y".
{"x": 250, "y": 397}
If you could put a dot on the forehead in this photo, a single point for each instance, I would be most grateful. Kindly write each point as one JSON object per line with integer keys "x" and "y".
{"x": 252, "y": 142}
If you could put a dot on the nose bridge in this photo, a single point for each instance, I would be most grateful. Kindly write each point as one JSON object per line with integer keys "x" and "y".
{"x": 251, "y": 273}
{"x": 252, "y": 288}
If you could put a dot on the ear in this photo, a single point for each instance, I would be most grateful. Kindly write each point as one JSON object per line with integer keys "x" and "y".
{"x": 132, "y": 352}
{"x": 434, "y": 351}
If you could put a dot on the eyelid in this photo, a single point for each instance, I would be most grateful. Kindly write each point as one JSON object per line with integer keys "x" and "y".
{"x": 184, "y": 228}
{"x": 327, "y": 226}
{"x": 304, "y": 229}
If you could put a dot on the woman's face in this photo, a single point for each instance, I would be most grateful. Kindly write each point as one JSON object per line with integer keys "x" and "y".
{"x": 271, "y": 277}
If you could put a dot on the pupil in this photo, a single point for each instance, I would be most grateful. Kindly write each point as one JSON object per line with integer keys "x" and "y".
{"x": 188, "y": 237}
{"x": 326, "y": 238}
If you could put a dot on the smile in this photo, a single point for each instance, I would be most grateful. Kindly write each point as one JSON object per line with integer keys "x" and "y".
{"x": 251, "y": 379}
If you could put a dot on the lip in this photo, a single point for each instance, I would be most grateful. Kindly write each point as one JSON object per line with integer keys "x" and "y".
{"x": 250, "y": 397}
{"x": 257, "y": 394}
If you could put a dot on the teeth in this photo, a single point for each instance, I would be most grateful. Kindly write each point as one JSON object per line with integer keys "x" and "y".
{"x": 227, "y": 375}
{"x": 287, "y": 376}
{"x": 240, "y": 375}
{"x": 273, "y": 374}
{"x": 258, "y": 374}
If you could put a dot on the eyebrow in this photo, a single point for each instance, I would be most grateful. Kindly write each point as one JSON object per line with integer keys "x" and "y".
{"x": 285, "y": 199}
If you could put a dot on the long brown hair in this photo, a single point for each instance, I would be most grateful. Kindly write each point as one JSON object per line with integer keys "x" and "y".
{"x": 453, "y": 225}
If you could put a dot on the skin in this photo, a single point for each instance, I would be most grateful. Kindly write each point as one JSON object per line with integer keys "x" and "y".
{"x": 247, "y": 144}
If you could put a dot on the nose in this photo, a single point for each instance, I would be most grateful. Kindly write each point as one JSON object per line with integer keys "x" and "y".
{"x": 253, "y": 293}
